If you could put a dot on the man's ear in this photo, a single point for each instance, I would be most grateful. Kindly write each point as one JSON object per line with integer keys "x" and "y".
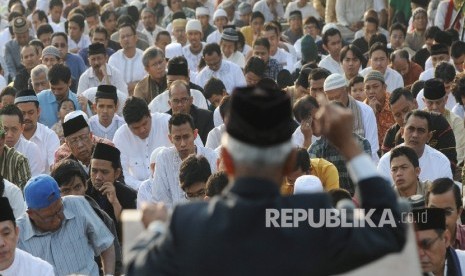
{"x": 228, "y": 162}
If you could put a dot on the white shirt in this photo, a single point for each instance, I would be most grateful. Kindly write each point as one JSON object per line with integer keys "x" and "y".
{"x": 307, "y": 11}
{"x": 26, "y": 264}
{"x": 429, "y": 63}
{"x": 214, "y": 37}
{"x": 15, "y": 197}
{"x": 351, "y": 11}
{"x": 230, "y": 73}
{"x": 193, "y": 60}
{"x": 285, "y": 59}
{"x": 427, "y": 74}
{"x": 144, "y": 194}
{"x": 166, "y": 186}
{"x": 88, "y": 79}
{"x": 105, "y": 132}
{"x": 34, "y": 157}
{"x": 392, "y": 78}
{"x": 331, "y": 65}
{"x": 433, "y": 165}
{"x": 370, "y": 127}
{"x": 262, "y": 7}
{"x": 160, "y": 102}
{"x": 449, "y": 104}
{"x": 214, "y": 137}
{"x": 83, "y": 43}
{"x": 458, "y": 110}
{"x": 298, "y": 138}
{"x": 132, "y": 69}
{"x": 135, "y": 152}
{"x": 236, "y": 58}
{"x": 298, "y": 46}
{"x": 152, "y": 36}
{"x": 48, "y": 142}
{"x": 122, "y": 97}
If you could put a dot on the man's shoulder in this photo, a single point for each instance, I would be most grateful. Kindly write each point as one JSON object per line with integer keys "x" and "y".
{"x": 435, "y": 154}
{"x": 160, "y": 117}
{"x": 38, "y": 264}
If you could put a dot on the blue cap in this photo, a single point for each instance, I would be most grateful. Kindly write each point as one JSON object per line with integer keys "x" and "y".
{"x": 41, "y": 191}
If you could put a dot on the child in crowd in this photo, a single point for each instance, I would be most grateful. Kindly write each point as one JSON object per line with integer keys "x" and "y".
{"x": 356, "y": 88}
{"x": 7, "y": 96}
{"x": 64, "y": 107}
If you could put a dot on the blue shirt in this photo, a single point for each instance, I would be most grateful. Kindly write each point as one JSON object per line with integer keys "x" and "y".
{"x": 76, "y": 65}
{"x": 49, "y": 106}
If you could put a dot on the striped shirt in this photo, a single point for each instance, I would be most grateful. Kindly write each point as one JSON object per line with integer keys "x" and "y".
{"x": 70, "y": 249}
{"x": 14, "y": 167}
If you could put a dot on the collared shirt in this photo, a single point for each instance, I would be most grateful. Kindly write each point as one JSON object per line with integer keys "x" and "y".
{"x": 214, "y": 137}
{"x": 433, "y": 165}
{"x": 32, "y": 152}
{"x": 48, "y": 142}
{"x": 193, "y": 60}
{"x": 26, "y": 264}
{"x": 49, "y": 106}
{"x": 14, "y": 167}
{"x": 273, "y": 67}
{"x": 160, "y": 103}
{"x": 331, "y": 65}
{"x": 135, "y": 152}
{"x": 459, "y": 132}
{"x": 231, "y": 75}
{"x": 71, "y": 248}
{"x": 323, "y": 149}
{"x": 76, "y": 65}
{"x": 422, "y": 188}
{"x": 105, "y": 132}
{"x": 89, "y": 79}
{"x": 166, "y": 186}
{"x": 16, "y": 198}
{"x": 392, "y": 78}
{"x": 132, "y": 69}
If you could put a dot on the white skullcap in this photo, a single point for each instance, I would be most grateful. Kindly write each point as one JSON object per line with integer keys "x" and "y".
{"x": 334, "y": 81}
{"x": 308, "y": 184}
{"x": 194, "y": 25}
{"x": 329, "y": 26}
{"x": 74, "y": 114}
{"x": 202, "y": 11}
{"x": 219, "y": 13}
{"x": 84, "y": 2}
{"x": 173, "y": 50}
{"x": 155, "y": 152}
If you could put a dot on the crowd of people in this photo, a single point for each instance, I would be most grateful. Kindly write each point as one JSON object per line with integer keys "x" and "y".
{"x": 107, "y": 105}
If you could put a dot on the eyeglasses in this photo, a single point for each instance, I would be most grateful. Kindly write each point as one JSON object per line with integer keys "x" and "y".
{"x": 427, "y": 244}
{"x": 75, "y": 140}
{"x": 158, "y": 64}
{"x": 200, "y": 193}
{"x": 179, "y": 101}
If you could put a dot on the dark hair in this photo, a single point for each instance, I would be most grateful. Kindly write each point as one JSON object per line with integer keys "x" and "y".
{"x": 12, "y": 110}
{"x": 60, "y": 103}
{"x": 178, "y": 60}
{"x": 355, "y": 50}
{"x": 55, "y": 3}
{"x": 8, "y": 91}
{"x": 399, "y": 92}
{"x": 271, "y": 27}
{"x": 62, "y": 34}
{"x": 180, "y": 119}
{"x": 106, "y": 15}
{"x": 399, "y": 27}
{"x": 255, "y": 65}
{"x": 92, "y": 9}
{"x": 443, "y": 185}
{"x": 430, "y": 32}
{"x": 216, "y": 183}
{"x": 377, "y": 38}
{"x": 36, "y": 43}
{"x": 318, "y": 74}
{"x": 44, "y": 29}
{"x": 373, "y": 20}
{"x": 338, "y": 195}
{"x": 408, "y": 152}
{"x": 330, "y": 32}
{"x": 262, "y": 41}
{"x": 135, "y": 109}
{"x": 162, "y": 33}
{"x": 213, "y": 86}
{"x": 224, "y": 105}
{"x": 303, "y": 107}
{"x": 99, "y": 29}
{"x": 417, "y": 87}
{"x": 131, "y": 26}
{"x": 210, "y": 49}
{"x": 312, "y": 20}
{"x": 41, "y": 14}
{"x": 59, "y": 72}
{"x": 78, "y": 19}
{"x": 459, "y": 90}
{"x": 257, "y": 14}
{"x": 194, "y": 169}
{"x": 401, "y": 53}
{"x": 355, "y": 80}
{"x": 64, "y": 172}
{"x": 457, "y": 49}
{"x": 445, "y": 71}
{"x": 302, "y": 161}
{"x": 378, "y": 46}
{"x": 421, "y": 114}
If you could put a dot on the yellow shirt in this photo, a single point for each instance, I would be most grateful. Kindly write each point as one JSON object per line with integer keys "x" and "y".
{"x": 322, "y": 169}
{"x": 247, "y": 31}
